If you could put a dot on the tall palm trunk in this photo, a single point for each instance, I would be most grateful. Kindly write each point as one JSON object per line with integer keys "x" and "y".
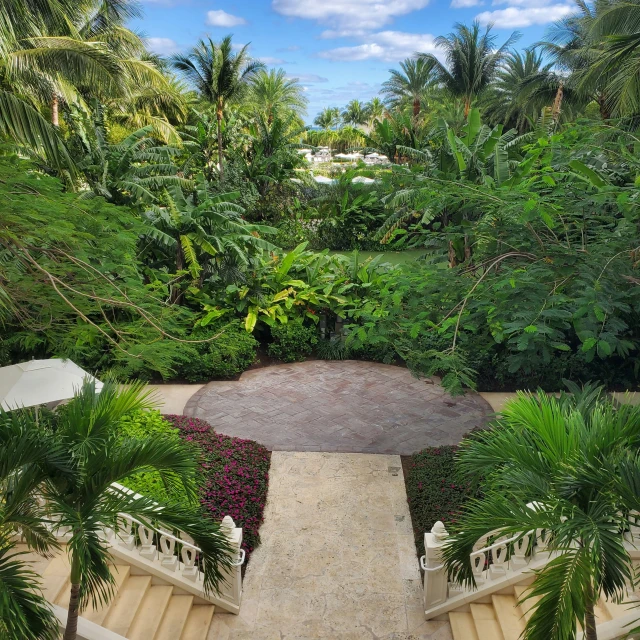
{"x": 71, "y": 629}
{"x": 55, "y": 115}
{"x": 467, "y": 106}
{"x": 219, "y": 119}
{"x": 416, "y": 107}
{"x": 590, "y": 632}
{"x": 557, "y": 103}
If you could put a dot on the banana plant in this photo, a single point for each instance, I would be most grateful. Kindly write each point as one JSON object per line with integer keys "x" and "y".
{"x": 480, "y": 153}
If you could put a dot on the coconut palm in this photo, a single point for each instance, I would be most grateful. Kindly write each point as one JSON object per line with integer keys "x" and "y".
{"x": 328, "y": 118}
{"x": 504, "y": 101}
{"x": 375, "y": 110}
{"x": 355, "y": 113}
{"x": 614, "y": 34}
{"x": 410, "y": 84}
{"x": 274, "y": 94}
{"x": 219, "y": 75}
{"x": 80, "y": 495}
{"x": 556, "y": 464}
{"x": 472, "y": 60}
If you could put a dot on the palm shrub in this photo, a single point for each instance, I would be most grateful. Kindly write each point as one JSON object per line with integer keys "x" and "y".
{"x": 80, "y": 496}
{"x": 566, "y": 465}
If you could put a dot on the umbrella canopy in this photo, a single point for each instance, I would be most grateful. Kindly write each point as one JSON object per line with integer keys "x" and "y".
{"x": 41, "y": 382}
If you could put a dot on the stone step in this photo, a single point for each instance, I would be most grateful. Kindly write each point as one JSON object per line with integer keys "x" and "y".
{"x": 487, "y": 625}
{"x": 527, "y": 607}
{"x": 462, "y": 626}
{"x": 55, "y": 578}
{"x": 126, "y": 604}
{"x": 150, "y": 613}
{"x": 198, "y": 622}
{"x": 509, "y": 616}
{"x": 175, "y": 618}
{"x": 98, "y": 614}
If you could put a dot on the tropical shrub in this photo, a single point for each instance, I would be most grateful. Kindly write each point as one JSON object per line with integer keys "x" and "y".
{"x": 231, "y": 352}
{"x": 142, "y": 424}
{"x": 293, "y": 341}
{"x": 235, "y": 476}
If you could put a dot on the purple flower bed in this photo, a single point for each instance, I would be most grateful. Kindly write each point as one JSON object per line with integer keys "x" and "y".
{"x": 235, "y": 476}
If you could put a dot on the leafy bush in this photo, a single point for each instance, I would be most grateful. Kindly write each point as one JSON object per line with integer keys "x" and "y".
{"x": 292, "y": 342}
{"x": 432, "y": 491}
{"x": 235, "y": 476}
{"x": 141, "y": 424}
{"x": 231, "y": 353}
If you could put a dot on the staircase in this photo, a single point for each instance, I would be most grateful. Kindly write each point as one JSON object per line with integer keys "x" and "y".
{"x": 143, "y": 607}
{"x": 503, "y": 570}
{"x": 158, "y": 592}
{"x": 499, "y": 617}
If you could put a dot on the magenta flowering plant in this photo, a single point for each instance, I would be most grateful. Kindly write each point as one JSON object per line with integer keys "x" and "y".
{"x": 234, "y": 475}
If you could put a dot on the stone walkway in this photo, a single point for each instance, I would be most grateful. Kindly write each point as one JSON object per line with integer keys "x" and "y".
{"x": 337, "y": 559}
{"x": 338, "y": 406}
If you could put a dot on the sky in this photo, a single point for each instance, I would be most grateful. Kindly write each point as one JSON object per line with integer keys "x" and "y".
{"x": 338, "y": 49}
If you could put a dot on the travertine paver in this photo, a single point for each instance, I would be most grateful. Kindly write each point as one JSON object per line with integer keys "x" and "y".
{"x": 339, "y": 406}
{"x": 337, "y": 559}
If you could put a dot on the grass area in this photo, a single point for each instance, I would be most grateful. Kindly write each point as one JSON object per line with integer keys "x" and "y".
{"x": 393, "y": 257}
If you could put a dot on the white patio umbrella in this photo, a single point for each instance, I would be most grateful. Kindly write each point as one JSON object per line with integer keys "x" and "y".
{"x": 41, "y": 382}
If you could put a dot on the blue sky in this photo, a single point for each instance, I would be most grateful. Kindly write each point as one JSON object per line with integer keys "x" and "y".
{"x": 339, "y": 49}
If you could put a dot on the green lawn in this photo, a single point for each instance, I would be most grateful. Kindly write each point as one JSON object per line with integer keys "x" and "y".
{"x": 394, "y": 257}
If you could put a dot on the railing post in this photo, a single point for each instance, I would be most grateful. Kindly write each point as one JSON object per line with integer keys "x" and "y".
{"x": 231, "y": 589}
{"x": 436, "y": 583}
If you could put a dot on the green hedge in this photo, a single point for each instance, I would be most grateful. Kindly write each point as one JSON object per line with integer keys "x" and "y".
{"x": 292, "y": 342}
{"x": 141, "y": 424}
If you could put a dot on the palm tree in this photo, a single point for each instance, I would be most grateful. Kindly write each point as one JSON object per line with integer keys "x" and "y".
{"x": 328, "y": 118}
{"x": 410, "y": 84}
{"x": 25, "y": 457}
{"x": 614, "y": 37}
{"x": 559, "y": 465}
{"x": 472, "y": 60}
{"x": 219, "y": 75}
{"x": 504, "y": 102}
{"x": 80, "y": 495}
{"x": 355, "y": 113}
{"x": 375, "y": 110}
{"x": 274, "y": 94}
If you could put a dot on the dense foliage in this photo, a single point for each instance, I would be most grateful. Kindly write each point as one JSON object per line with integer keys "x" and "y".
{"x": 169, "y": 231}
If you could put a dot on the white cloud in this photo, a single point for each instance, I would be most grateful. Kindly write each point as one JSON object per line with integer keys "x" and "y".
{"x": 223, "y": 19}
{"x": 269, "y": 60}
{"x": 513, "y": 17}
{"x": 390, "y": 46}
{"x": 462, "y": 4}
{"x": 162, "y": 46}
{"x": 348, "y": 14}
{"x": 306, "y": 78}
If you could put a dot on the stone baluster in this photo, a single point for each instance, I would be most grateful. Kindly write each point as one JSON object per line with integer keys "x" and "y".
{"x": 125, "y": 532}
{"x": 147, "y": 548}
{"x": 436, "y": 583}
{"x": 499, "y": 558}
{"x": 167, "y": 553}
{"x": 232, "y": 585}
{"x": 190, "y": 569}
{"x": 520, "y": 556}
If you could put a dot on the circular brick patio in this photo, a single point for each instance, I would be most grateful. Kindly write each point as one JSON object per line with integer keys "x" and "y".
{"x": 341, "y": 406}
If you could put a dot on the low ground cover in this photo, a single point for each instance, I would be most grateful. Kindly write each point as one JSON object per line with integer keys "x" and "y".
{"x": 234, "y": 472}
{"x": 433, "y": 491}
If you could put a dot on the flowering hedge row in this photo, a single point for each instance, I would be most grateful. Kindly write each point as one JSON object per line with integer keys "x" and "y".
{"x": 433, "y": 491}
{"x": 235, "y": 476}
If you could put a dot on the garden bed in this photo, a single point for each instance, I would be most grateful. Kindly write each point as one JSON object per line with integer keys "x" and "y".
{"x": 433, "y": 492}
